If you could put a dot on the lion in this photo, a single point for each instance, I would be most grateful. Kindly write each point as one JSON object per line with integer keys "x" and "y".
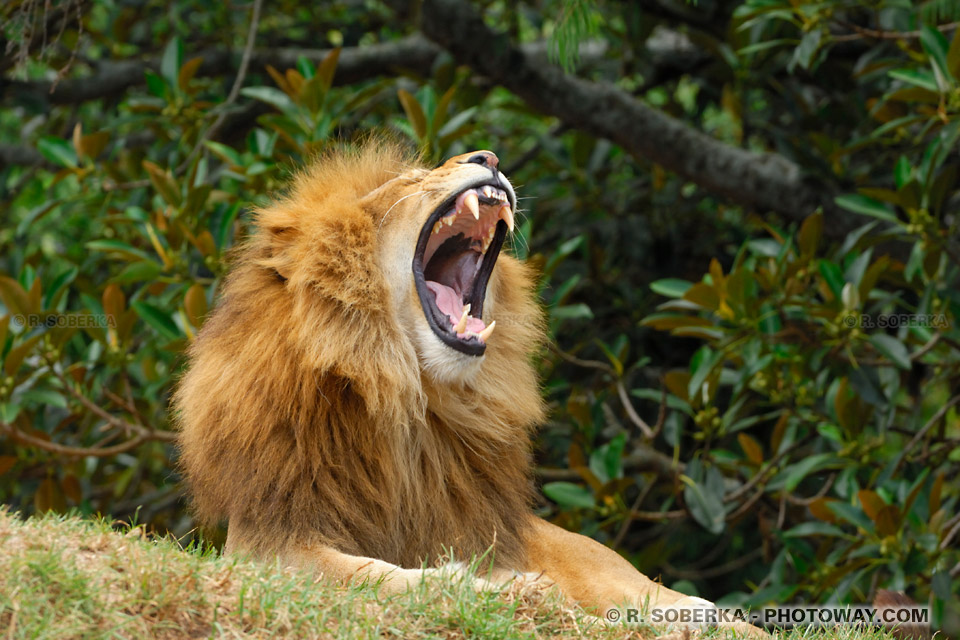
{"x": 361, "y": 401}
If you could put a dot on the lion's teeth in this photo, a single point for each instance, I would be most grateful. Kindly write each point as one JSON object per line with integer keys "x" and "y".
{"x": 485, "y": 334}
{"x": 436, "y": 226}
{"x": 449, "y": 220}
{"x": 506, "y": 214}
{"x": 473, "y": 204}
{"x": 462, "y": 325}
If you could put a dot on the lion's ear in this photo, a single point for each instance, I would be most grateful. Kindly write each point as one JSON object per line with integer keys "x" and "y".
{"x": 279, "y": 248}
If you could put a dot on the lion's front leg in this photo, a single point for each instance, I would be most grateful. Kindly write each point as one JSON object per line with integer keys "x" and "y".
{"x": 595, "y": 576}
{"x": 392, "y": 579}
{"x": 598, "y": 578}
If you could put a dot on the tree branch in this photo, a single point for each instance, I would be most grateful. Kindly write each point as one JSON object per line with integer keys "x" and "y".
{"x": 764, "y": 181}
{"x": 234, "y": 90}
{"x": 23, "y": 156}
{"x": 355, "y": 64}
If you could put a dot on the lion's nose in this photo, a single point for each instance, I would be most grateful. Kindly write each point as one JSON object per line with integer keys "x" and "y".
{"x": 486, "y": 158}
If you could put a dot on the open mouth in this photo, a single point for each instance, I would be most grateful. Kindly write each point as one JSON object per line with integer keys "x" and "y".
{"x": 455, "y": 255}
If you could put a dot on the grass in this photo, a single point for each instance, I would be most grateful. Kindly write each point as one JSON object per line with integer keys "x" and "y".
{"x": 66, "y": 577}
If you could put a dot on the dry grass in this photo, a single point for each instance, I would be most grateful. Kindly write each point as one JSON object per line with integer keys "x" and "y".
{"x": 64, "y": 577}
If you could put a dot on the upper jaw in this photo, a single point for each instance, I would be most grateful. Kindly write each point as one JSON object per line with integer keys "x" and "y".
{"x": 455, "y": 253}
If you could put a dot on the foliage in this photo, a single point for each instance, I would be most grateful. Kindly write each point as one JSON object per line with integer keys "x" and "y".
{"x": 781, "y": 395}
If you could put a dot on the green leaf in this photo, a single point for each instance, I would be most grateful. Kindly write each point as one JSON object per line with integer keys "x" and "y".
{"x": 936, "y": 46}
{"x": 920, "y": 78}
{"x": 653, "y": 395}
{"x": 670, "y": 321}
{"x": 171, "y": 62}
{"x": 903, "y": 171}
{"x": 225, "y": 153}
{"x": 14, "y": 297}
{"x": 769, "y": 322}
{"x": 52, "y": 294}
{"x": 567, "y": 494}
{"x": 414, "y": 113}
{"x": 851, "y": 514}
{"x": 809, "y": 45}
{"x": 271, "y": 96}
{"x": 866, "y": 206}
{"x": 701, "y": 365}
{"x": 564, "y": 290}
{"x": 16, "y": 355}
{"x": 814, "y": 529}
{"x": 571, "y": 312}
{"x": 915, "y": 261}
{"x": 45, "y": 397}
{"x": 117, "y": 247}
{"x": 564, "y": 250}
{"x": 158, "y": 319}
{"x": 893, "y": 349}
{"x": 155, "y": 84}
{"x": 832, "y": 275}
{"x": 795, "y": 473}
{"x": 456, "y": 122}
{"x": 305, "y": 67}
{"x": 768, "y": 44}
{"x": 810, "y": 233}
{"x": 953, "y": 56}
{"x": 163, "y": 182}
{"x": 705, "y": 499}
{"x": 138, "y": 272}
{"x": 940, "y": 585}
{"x": 327, "y": 68}
{"x": 58, "y": 151}
{"x": 856, "y": 269}
{"x": 671, "y": 287}
{"x": 224, "y": 229}
{"x": 613, "y": 456}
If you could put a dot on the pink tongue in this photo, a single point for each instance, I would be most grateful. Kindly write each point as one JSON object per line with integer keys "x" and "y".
{"x": 452, "y": 306}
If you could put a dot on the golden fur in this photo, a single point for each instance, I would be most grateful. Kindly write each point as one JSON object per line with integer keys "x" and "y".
{"x": 305, "y": 413}
{"x": 328, "y": 424}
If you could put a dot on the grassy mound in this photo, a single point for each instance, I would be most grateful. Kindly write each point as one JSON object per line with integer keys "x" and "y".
{"x": 65, "y": 577}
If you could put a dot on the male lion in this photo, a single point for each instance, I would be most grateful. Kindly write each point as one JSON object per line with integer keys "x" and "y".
{"x": 362, "y": 399}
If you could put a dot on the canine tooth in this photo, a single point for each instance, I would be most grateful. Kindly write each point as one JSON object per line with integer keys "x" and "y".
{"x": 462, "y": 325}
{"x": 485, "y": 334}
{"x": 473, "y": 204}
{"x": 506, "y": 214}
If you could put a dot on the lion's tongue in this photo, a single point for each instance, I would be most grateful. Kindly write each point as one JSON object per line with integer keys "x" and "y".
{"x": 449, "y": 302}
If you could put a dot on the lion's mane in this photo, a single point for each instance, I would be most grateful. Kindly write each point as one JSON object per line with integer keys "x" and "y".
{"x": 305, "y": 416}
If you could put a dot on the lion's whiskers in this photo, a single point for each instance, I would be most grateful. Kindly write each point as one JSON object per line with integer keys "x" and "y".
{"x": 421, "y": 193}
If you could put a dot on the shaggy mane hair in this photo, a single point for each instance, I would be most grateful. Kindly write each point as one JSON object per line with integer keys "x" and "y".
{"x": 306, "y": 416}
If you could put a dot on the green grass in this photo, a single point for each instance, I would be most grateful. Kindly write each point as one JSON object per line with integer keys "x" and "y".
{"x": 65, "y": 577}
